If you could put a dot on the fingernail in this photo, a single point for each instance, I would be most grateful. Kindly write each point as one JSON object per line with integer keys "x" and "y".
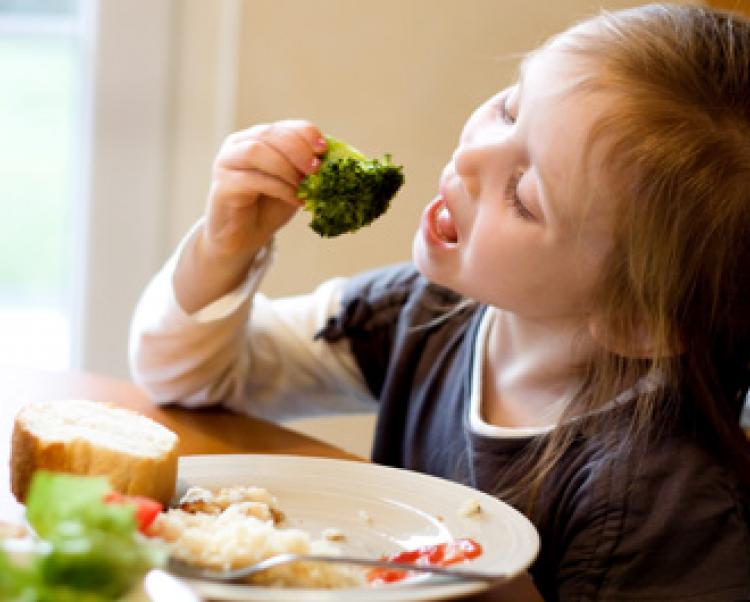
{"x": 314, "y": 164}
{"x": 321, "y": 144}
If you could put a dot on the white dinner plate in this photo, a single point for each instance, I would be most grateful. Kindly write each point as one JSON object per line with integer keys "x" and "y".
{"x": 380, "y": 510}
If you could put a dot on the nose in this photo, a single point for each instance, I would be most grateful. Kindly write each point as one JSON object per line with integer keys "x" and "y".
{"x": 466, "y": 164}
{"x": 481, "y": 158}
{"x": 485, "y": 157}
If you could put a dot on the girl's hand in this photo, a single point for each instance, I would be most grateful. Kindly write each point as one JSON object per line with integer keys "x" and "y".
{"x": 254, "y": 187}
{"x": 253, "y": 193}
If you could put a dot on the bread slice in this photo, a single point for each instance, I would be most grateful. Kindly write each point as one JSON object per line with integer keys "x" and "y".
{"x": 136, "y": 454}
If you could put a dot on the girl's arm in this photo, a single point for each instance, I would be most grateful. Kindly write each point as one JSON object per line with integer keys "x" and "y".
{"x": 253, "y": 193}
{"x": 258, "y": 357}
{"x": 191, "y": 341}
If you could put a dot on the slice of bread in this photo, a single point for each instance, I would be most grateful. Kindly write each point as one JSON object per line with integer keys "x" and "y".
{"x": 136, "y": 454}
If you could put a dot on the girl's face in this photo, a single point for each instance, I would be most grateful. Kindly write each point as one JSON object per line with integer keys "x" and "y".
{"x": 514, "y": 224}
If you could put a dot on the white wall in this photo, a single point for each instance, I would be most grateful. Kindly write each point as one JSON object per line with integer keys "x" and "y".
{"x": 162, "y": 97}
{"x": 122, "y": 216}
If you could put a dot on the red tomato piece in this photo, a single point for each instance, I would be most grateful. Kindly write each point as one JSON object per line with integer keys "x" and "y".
{"x": 442, "y": 554}
{"x": 146, "y": 509}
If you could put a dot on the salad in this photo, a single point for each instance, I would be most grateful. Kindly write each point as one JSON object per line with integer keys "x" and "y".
{"x": 89, "y": 544}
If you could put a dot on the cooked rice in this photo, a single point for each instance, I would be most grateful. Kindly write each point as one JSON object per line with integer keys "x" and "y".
{"x": 235, "y": 527}
{"x": 470, "y": 507}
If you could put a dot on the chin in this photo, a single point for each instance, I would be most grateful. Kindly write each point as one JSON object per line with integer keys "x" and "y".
{"x": 427, "y": 267}
{"x": 421, "y": 259}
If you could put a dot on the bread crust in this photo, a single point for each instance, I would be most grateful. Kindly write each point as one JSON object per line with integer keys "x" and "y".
{"x": 128, "y": 473}
{"x": 26, "y": 457}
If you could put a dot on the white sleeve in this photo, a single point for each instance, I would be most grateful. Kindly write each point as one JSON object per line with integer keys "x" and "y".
{"x": 259, "y": 358}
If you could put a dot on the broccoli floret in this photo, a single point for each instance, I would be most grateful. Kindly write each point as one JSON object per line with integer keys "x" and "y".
{"x": 349, "y": 190}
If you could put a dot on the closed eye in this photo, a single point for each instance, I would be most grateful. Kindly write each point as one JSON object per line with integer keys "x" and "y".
{"x": 514, "y": 199}
{"x": 503, "y": 110}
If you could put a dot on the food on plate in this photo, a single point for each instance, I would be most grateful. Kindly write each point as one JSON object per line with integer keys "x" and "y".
{"x": 470, "y": 507}
{"x": 365, "y": 517}
{"x": 349, "y": 190}
{"x": 89, "y": 547}
{"x": 136, "y": 454}
{"x": 234, "y": 527}
{"x": 238, "y": 526}
{"x": 333, "y": 534}
{"x": 256, "y": 501}
{"x": 441, "y": 554}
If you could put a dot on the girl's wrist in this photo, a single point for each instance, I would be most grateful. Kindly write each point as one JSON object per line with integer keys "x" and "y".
{"x": 204, "y": 275}
{"x": 212, "y": 261}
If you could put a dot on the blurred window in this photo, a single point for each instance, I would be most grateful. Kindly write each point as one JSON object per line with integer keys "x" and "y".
{"x": 40, "y": 100}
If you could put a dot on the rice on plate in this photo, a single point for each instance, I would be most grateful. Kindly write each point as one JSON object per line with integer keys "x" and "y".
{"x": 238, "y": 526}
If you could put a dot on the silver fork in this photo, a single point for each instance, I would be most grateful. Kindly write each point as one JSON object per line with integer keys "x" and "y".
{"x": 184, "y": 569}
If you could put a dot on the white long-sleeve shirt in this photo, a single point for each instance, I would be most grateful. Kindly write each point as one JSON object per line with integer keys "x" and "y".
{"x": 270, "y": 365}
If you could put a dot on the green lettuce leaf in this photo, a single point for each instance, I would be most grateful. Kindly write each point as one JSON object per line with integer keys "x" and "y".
{"x": 95, "y": 551}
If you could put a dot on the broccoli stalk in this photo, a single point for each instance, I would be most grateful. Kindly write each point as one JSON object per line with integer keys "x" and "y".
{"x": 349, "y": 190}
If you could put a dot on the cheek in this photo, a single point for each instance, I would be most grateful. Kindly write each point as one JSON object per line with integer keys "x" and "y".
{"x": 518, "y": 270}
{"x": 505, "y": 256}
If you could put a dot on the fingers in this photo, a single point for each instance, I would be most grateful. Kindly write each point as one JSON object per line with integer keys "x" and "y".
{"x": 257, "y": 155}
{"x": 287, "y": 149}
{"x": 305, "y": 129}
{"x": 235, "y": 184}
{"x": 255, "y": 180}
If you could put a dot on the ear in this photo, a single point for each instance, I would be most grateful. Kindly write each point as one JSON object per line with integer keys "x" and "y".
{"x": 637, "y": 344}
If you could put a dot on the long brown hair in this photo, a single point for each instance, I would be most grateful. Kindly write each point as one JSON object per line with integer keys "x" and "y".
{"x": 677, "y": 161}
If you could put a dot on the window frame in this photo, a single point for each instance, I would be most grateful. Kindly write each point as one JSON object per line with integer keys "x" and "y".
{"x": 156, "y": 117}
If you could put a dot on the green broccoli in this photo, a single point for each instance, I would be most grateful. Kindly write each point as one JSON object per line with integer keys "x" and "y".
{"x": 349, "y": 190}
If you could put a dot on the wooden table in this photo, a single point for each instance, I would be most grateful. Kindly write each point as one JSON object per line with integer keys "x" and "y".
{"x": 209, "y": 431}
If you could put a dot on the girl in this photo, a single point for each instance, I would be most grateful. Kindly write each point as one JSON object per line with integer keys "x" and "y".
{"x": 574, "y": 335}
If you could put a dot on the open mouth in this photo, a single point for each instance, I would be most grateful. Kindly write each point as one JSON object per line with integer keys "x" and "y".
{"x": 443, "y": 224}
